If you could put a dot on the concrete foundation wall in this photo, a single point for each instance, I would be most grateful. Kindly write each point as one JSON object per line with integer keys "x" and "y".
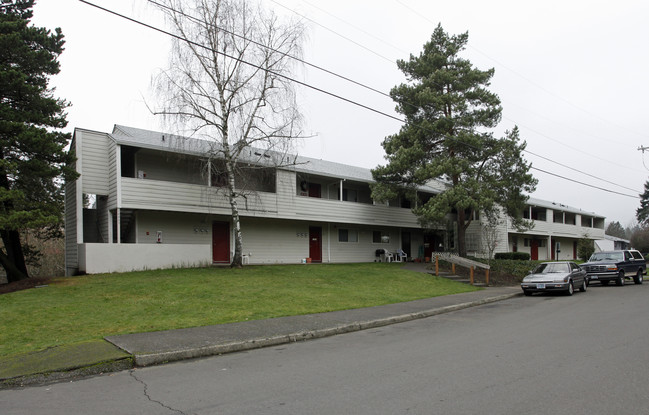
{"x": 103, "y": 258}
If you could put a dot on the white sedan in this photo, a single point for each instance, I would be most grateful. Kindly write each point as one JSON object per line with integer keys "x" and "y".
{"x": 561, "y": 276}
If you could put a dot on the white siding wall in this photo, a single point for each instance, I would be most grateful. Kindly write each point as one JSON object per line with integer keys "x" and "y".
{"x": 560, "y": 229}
{"x": 94, "y": 163}
{"x": 176, "y": 228}
{"x": 143, "y": 194}
{"x": 277, "y": 241}
{"x": 364, "y": 250}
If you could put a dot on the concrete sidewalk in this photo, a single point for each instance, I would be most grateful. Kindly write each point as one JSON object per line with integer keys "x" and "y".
{"x": 145, "y": 349}
{"x": 171, "y": 345}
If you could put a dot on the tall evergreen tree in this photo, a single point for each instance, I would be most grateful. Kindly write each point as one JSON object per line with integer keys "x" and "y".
{"x": 32, "y": 153}
{"x": 448, "y": 111}
{"x": 615, "y": 228}
{"x": 642, "y": 213}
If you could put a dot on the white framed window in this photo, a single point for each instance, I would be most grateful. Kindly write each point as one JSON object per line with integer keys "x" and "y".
{"x": 380, "y": 237}
{"x": 347, "y": 235}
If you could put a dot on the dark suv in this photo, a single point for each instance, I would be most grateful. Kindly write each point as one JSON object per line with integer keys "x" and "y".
{"x": 615, "y": 266}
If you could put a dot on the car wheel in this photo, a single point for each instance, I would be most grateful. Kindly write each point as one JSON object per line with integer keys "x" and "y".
{"x": 639, "y": 277}
{"x": 583, "y": 286}
{"x": 604, "y": 282}
{"x": 620, "y": 279}
{"x": 571, "y": 289}
{"x": 527, "y": 293}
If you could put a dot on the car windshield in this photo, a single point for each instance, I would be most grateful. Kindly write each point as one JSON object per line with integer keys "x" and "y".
{"x": 607, "y": 256}
{"x": 552, "y": 268}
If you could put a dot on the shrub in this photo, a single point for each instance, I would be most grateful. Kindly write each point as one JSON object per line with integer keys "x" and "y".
{"x": 585, "y": 248}
{"x": 519, "y": 256}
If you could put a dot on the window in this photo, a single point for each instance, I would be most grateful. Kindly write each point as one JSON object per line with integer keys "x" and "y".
{"x": 261, "y": 179}
{"x": 637, "y": 255}
{"x": 379, "y": 237}
{"x": 350, "y": 195}
{"x": 306, "y": 188}
{"x": 537, "y": 213}
{"x": 347, "y": 235}
{"x": 541, "y": 243}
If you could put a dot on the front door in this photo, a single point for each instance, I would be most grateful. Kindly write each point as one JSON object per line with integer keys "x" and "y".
{"x": 315, "y": 243}
{"x": 534, "y": 248}
{"x": 221, "y": 242}
{"x": 405, "y": 243}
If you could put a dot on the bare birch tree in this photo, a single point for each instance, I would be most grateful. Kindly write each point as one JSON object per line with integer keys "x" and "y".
{"x": 491, "y": 231}
{"x": 228, "y": 82}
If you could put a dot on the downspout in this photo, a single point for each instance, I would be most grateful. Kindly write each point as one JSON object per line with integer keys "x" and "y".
{"x": 329, "y": 242}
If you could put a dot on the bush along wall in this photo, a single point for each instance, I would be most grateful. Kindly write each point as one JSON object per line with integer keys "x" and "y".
{"x": 520, "y": 256}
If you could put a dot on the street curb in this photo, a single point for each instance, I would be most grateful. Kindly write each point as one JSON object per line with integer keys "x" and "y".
{"x": 57, "y": 376}
{"x": 144, "y": 359}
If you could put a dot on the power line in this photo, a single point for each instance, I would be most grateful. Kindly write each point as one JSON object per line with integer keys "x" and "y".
{"x": 579, "y": 171}
{"x": 320, "y": 68}
{"x": 407, "y": 103}
{"x": 334, "y": 32}
{"x": 584, "y": 184}
{"x": 423, "y": 16}
{"x": 358, "y": 104}
{"x": 315, "y": 88}
{"x": 374, "y": 89}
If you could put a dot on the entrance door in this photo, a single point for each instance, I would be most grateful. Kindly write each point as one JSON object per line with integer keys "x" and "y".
{"x": 221, "y": 242}
{"x": 315, "y": 243}
{"x": 534, "y": 248}
{"x": 405, "y": 243}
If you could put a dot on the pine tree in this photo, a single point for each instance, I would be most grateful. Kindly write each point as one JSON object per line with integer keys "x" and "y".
{"x": 642, "y": 213}
{"x": 616, "y": 229}
{"x": 32, "y": 153}
{"x": 448, "y": 112}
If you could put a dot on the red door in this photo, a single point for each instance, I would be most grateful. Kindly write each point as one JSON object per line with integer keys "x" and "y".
{"x": 221, "y": 242}
{"x": 315, "y": 244}
{"x": 534, "y": 248}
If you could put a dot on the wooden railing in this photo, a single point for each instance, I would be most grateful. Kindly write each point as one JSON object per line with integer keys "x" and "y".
{"x": 455, "y": 259}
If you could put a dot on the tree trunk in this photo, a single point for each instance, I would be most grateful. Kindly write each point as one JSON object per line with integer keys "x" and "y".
{"x": 237, "y": 258}
{"x": 461, "y": 233}
{"x": 14, "y": 260}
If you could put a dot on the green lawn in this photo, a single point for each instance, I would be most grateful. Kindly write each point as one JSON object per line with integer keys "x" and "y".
{"x": 82, "y": 308}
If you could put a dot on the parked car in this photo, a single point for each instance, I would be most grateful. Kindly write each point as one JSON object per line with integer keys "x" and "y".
{"x": 607, "y": 266}
{"x": 555, "y": 276}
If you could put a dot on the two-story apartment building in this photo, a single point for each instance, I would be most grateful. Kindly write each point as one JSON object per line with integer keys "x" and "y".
{"x": 148, "y": 200}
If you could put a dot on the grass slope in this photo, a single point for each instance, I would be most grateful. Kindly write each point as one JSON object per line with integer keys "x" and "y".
{"x": 76, "y": 309}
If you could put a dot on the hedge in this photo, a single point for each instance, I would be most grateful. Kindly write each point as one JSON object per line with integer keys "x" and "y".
{"x": 521, "y": 256}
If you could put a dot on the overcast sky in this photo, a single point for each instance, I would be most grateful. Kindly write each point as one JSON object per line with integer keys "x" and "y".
{"x": 571, "y": 74}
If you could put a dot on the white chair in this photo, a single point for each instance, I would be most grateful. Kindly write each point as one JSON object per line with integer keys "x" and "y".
{"x": 387, "y": 256}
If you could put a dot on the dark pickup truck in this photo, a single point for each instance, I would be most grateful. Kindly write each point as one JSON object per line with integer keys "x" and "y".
{"x": 607, "y": 266}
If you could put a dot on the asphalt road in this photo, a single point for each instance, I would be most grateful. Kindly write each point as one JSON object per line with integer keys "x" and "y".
{"x": 585, "y": 354}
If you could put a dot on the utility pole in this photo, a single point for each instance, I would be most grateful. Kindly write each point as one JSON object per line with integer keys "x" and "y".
{"x": 643, "y": 148}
